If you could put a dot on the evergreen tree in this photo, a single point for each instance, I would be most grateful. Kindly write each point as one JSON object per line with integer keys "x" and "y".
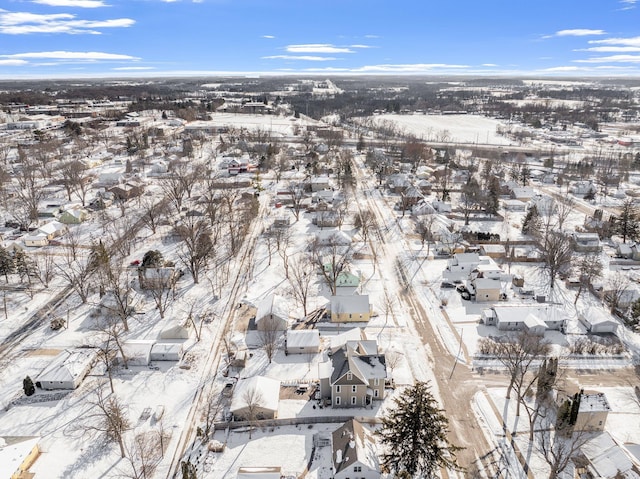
{"x": 531, "y": 222}
{"x": 7, "y": 265}
{"x": 626, "y": 224}
{"x": 28, "y": 387}
{"x": 22, "y": 266}
{"x": 414, "y": 435}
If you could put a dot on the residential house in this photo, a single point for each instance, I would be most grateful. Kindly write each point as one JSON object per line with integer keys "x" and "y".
{"x": 167, "y": 351}
{"x": 73, "y": 216}
{"x": 354, "y": 308}
{"x": 354, "y": 452}
{"x": 17, "y": 455}
{"x": 606, "y": 457}
{"x": 593, "y": 410}
{"x": 493, "y": 251}
{"x": 535, "y": 319}
{"x": 35, "y": 240}
{"x": 411, "y": 196}
{"x": 583, "y": 188}
{"x": 357, "y": 378}
{"x": 624, "y": 298}
{"x": 545, "y": 204}
{"x": 326, "y": 218}
{"x": 52, "y": 230}
{"x": 319, "y": 183}
{"x": 302, "y": 341}
{"x": 350, "y": 335}
{"x": 156, "y": 278}
{"x": 346, "y": 283}
{"x": 128, "y": 190}
{"x": 522, "y": 193}
{"x": 264, "y": 390}
{"x": 514, "y": 205}
{"x": 333, "y": 238}
{"x": 67, "y": 369}
{"x": 272, "y": 313}
{"x": 487, "y": 289}
{"x": 586, "y": 242}
{"x": 596, "y": 321}
{"x": 461, "y": 265}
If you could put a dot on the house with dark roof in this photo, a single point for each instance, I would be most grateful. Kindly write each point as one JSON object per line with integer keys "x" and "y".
{"x": 356, "y": 376}
{"x": 354, "y": 452}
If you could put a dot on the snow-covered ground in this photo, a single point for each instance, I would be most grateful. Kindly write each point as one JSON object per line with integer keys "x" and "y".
{"x": 447, "y": 128}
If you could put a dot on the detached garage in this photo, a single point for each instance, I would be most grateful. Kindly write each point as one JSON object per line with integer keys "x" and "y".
{"x": 597, "y": 322}
{"x": 68, "y": 369}
{"x": 302, "y": 341}
{"x": 166, "y": 351}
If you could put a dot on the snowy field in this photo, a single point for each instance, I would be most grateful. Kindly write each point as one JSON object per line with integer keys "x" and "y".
{"x": 281, "y": 125}
{"x": 448, "y": 128}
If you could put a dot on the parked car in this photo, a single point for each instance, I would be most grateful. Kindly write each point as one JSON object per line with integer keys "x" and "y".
{"x": 447, "y": 285}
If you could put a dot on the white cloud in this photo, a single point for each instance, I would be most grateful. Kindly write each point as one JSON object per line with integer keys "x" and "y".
{"x": 371, "y": 36}
{"x": 579, "y": 32}
{"x": 576, "y": 32}
{"x": 268, "y": 36}
{"x": 410, "y": 67}
{"x": 317, "y": 48}
{"x": 65, "y": 55}
{"x": 133, "y": 68}
{"x": 12, "y": 62}
{"x": 628, "y": 4}
{"x": 629, "y": 42}
{"x": 20, "y": 23}
{"x": 612, "y": 49}
{"x": 489, "y": 65}
{"x": 73, "y": 3}
{"x": 309, "y": 58}
{"x": 360, "y": 46}
{"x": 612, "y": 59}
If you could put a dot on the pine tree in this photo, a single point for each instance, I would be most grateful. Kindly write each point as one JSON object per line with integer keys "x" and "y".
{"x": 27, "y": 385}
{"x": 7, "y": 265}
{"x": 414, "y": 435}
{"x": 531, "y": 222}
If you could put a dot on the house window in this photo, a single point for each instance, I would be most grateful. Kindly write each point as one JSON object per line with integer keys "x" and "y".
{"x": 357, "y": 468}
{"x": 349, "y": 376}
{"x": 376, "y": 382}
{"x": 375, "y": 393}
{"x": 337, "y": 400}
{"x": 349, "y": 315}
{"x": 354, "y": 399}
{"x": 354, "y": 388}
{"x": 338, "y": 389}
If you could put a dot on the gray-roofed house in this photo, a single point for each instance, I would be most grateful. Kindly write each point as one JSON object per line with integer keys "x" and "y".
{"x": 357, "y": 377}
{"x": 354, "y": 452}
{"x": 354, "y": 308}
{"x": 68, "y": 369}
{"x": 265, "y": 391}
{"x": 302, "y": 341}
{"x": 272, "y": 313}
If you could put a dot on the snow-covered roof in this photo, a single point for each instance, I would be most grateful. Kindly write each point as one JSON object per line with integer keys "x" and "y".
{"x": 355, "y": 334}
{"x": 69, "y": 365}
{"x": 273, "y": 304}
{"x": 486, "y": 283}
{"x": 268, "y": 388}
{"x": 595, "y": 402}
{"x": 265, "y": 472}
{"x": 607, "y": 458}
{"x": 358, "y": 303}
{"x": 13, "y": 453}
{"x": 302, "y": 338}
{"x": 353, "y": 443}
{"x": 594, "y": 316}
{"x": 531, "y": 321}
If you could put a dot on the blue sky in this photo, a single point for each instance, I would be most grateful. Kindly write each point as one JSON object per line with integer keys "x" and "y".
{"x": 96, "y": 38}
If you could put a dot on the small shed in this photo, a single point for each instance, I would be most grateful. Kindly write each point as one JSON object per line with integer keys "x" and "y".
{"x": 138, "y": 351}
{"x": 302, "y": 341}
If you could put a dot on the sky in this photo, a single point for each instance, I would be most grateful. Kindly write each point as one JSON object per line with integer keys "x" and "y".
{"x": 125, "y": 38}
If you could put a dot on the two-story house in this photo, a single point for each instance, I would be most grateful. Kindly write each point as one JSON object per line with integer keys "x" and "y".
{"x": 357, "y": 376}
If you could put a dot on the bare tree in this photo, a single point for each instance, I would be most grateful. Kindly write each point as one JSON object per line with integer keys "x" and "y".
{"x": 253, "y": 400}
{"x": 616, "y": 287}
{"x": 425, "y": 228}
{"x": 75, "y": 177}
{"x": 77, "y": 275}
{"x": 143, "y": 453}
{"x": 392, "y": 360}
{"x": 589, "y": 269}
{"x": 109, "y": 417}
{"x": 198, "y": 246}
{"x": 30, "y": 191}
{"x": 564, "y": 208}
{"x": 364, "y": 220}
{"x": 331, "y": 259}
{"x": 283, "y": 242}
{"x": 519, "y": 356}
{"x": 44, "y": 267}
{"x": 269, "y": 333}
{"x": 153, "y": 212}
{"x": 162, "y": 291}
{"x": 210, "y": 409}
{"x": 296, "y": 195}
{"x": 301, "y": 280}
{"x": 556, "y": 254}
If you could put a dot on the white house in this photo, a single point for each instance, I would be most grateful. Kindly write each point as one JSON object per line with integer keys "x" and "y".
{"x": 354, "y": 308}
{"x": 607, "y": 458}
{"x": 354, "y": 452}
{"x": 461, "y": 265}
{"x": 35, "y": 240}
{"x": 166, "y": 351}
{"x": 68, "y": 369}
{"x": 524, "y": 318}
